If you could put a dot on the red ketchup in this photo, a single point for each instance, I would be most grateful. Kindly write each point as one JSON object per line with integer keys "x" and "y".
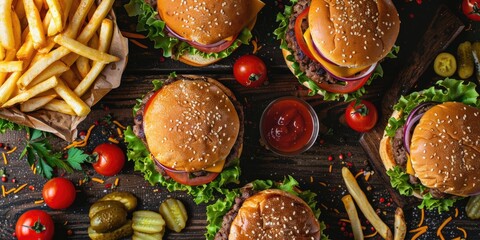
{"x": 289, "y": 126}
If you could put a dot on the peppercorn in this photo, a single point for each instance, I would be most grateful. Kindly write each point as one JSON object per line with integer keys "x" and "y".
{"x": 340, "y": 156}
{"x": 382, "y": 200}
{"x": 69, "y": 232}
{"x": 330, "y": 158}
{"x": 32, "y": 188}
{"x": 4, "y": 178}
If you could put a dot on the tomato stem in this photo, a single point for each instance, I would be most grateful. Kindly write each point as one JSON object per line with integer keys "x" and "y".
{"x": 254, "y": 77}
{"x": 360, "y": 108}
{"x": 38, "y": 227}
{"x": 475, "y": 9}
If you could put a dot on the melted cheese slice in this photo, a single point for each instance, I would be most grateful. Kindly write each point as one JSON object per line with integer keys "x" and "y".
{"x": 409, "y": 168}
{"x": 334, "y": 69}
{"x": 256, "y": 6}
{"x": 217, "y": 168}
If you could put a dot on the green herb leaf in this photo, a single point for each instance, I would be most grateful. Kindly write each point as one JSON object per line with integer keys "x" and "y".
{"x": 76, "y": 157}
{"x": 7, "y": 125}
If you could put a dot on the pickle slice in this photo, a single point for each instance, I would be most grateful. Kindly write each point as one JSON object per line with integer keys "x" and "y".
{"x": 148, "y": 222}
{"x": 148, "y": 236}
{"x": 125, "y": 231}
{"x": 128, "y": 199}
{"x": 174, "y": 213}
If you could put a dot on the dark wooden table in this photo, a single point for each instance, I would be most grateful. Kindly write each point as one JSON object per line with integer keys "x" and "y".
{"x": 310, "y": 168}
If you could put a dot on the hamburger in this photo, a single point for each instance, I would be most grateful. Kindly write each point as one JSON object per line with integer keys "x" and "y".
{"x": 432, "y": 142}
{"x": 272, "y": 212}
{"x": 197, "y": 33}
{"x": 334, "y": 47}
{"x": 189, "y": 129}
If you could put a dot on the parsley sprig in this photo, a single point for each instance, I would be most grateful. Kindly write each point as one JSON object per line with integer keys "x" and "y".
{"x": 39, "y": 152}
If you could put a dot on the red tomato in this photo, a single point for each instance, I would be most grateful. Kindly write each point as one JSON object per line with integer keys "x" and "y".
{"x": 34, "y": 224}
{"x": 185, "y": 178}
{"x": 345, "y": 87}
{"x": 299, "y": 33}
{"x": 471, "y": 9}
{"x": 59, "y": 193}
{"x": 110, "y": 159}
{"x": 250, "y": 71}
{"x": 361, "y": 116}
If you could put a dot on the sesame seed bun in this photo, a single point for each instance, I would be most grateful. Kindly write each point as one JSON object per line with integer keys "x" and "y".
{"x": 274, "y": 214}
{"x": 445, "y": 149}
{"x": 354, "y": 33}
{"x": 191, "y": 124}
{"x": 207, "y": 22}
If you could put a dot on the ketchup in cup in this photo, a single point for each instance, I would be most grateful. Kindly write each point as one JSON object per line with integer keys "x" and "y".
{"x": 289, "y": 126}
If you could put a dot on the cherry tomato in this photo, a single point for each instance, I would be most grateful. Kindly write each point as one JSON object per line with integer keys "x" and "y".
{"x": 110, "y": 159}
{"x": 361, "y": 116}
{"x": 185, "y": 178}
{"x": 471, "y": 9}
{"x": 250, "y": 71}
{"x": 59, "y": 193}
{"x": 34, "y": 224}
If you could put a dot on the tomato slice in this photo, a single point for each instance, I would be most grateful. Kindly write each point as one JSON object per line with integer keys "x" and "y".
{"x": 345, "y": 87}
{"x": 186, "y": 179}
{"x": 299, "y": 33}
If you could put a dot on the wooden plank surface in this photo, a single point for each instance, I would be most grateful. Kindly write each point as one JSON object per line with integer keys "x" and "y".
{"x": 310, "y": 168}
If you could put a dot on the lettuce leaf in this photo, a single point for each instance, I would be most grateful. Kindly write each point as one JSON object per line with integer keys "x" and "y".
{"x": 216, "y": 211}
{"x": 446, "y": 90}
{"x": 149, "y": 22}
{"x": 399, "y": 180}
{"x": 283, "y": 20}
{"x": 7, "y": 125}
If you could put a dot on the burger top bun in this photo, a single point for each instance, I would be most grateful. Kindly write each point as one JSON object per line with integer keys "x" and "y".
{"x": 274, "y": 214}
{"x": 445, "y": 149}
{"x": 354, "y": 33}
{"x": 207, "y": 22}
{"x": 191, "y": 125}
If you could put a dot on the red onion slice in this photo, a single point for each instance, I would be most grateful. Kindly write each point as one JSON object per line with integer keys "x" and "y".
{"x": 165, "y": 168}
{"x": 415, "y": 110}
{"x": 193, "y": 43}
{"x": 408, "y": 129}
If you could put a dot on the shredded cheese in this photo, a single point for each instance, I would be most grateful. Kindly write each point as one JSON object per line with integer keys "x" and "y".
{"x": 330, "y": 168}
{"x": 345, "y": 220}
{"x": 10, "y": 191}
{"x": 367, "y": 176}
{"x": 116, "y": 181}
{"x": 371, "y": 235}
{"x": 20, "y": 188}
{"x": 97, "y": 180}
{"x": 456, "y": 212}
{"x": 418, "y": 234}
{"x": 336, "y": 210}
{"x": 119, "y": 131}
{"x": 38, "y": 202}
{"x": 311, "y": 179}
{"x": 418, "y": 229}
{"x": 322, "y": 183}
{"x": 457, "y": 238}
{"x": 463, "y": 231}
{"x": 113, "y": 140}
{"x": 358, "y": 174}
{"x": 323, "y": 205}
{"x": 5, "y": 160}
{"x": 3, "y": 190}
{"x": 35, "y": 170}
{"x": 119, "y": 124}
{"x": 133, "y": 35}
{"x": 255, "y": 46}
{"x": 12, "y": 150}
{"x": 439, "y": 230}
{"x": 422, "y": 217}
{"x": 141, "y": 45}
{"x": 82, "y": 143}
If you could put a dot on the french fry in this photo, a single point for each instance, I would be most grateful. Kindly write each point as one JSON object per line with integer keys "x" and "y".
{"x": 9, "y": 56}
{"x": 94, "y": 41}
{"x": 2, "y": 52}
{"x": 55, "y": 69}
{"x": 17, "y": 31}
{"x": 7, "y": 38}
{"x": 94, "y": 23}
{"x": 78, "y": 18}
{"x": 83, "y": 66}
{"x": 353, "y": 216}
{"x": 20, "y": 10}
{"x": 71, "y": 78}
{"x": 32, "y": 92}
{"x": 364, "y": 205}
{"x": 400, "y": 230}
{"x": 59, "y": 106}
{"x": 57, "y": 14}
{"x": 36, "y": 103}
{"x": 83, "y": 50}
{"x": 77, "y": 104}
{"x": 8, "y": 87}
{"x": 11, "y": 66}
{"x": 106, "y": 34}
{"x": 42, "y": 63}
{"x": 34, "y": 24}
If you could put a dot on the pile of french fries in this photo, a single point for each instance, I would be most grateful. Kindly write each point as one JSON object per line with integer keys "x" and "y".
{"x": 51, "y": 52}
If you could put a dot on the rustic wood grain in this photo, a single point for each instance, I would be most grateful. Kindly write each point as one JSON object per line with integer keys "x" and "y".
{"x": 445, "y": 26}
